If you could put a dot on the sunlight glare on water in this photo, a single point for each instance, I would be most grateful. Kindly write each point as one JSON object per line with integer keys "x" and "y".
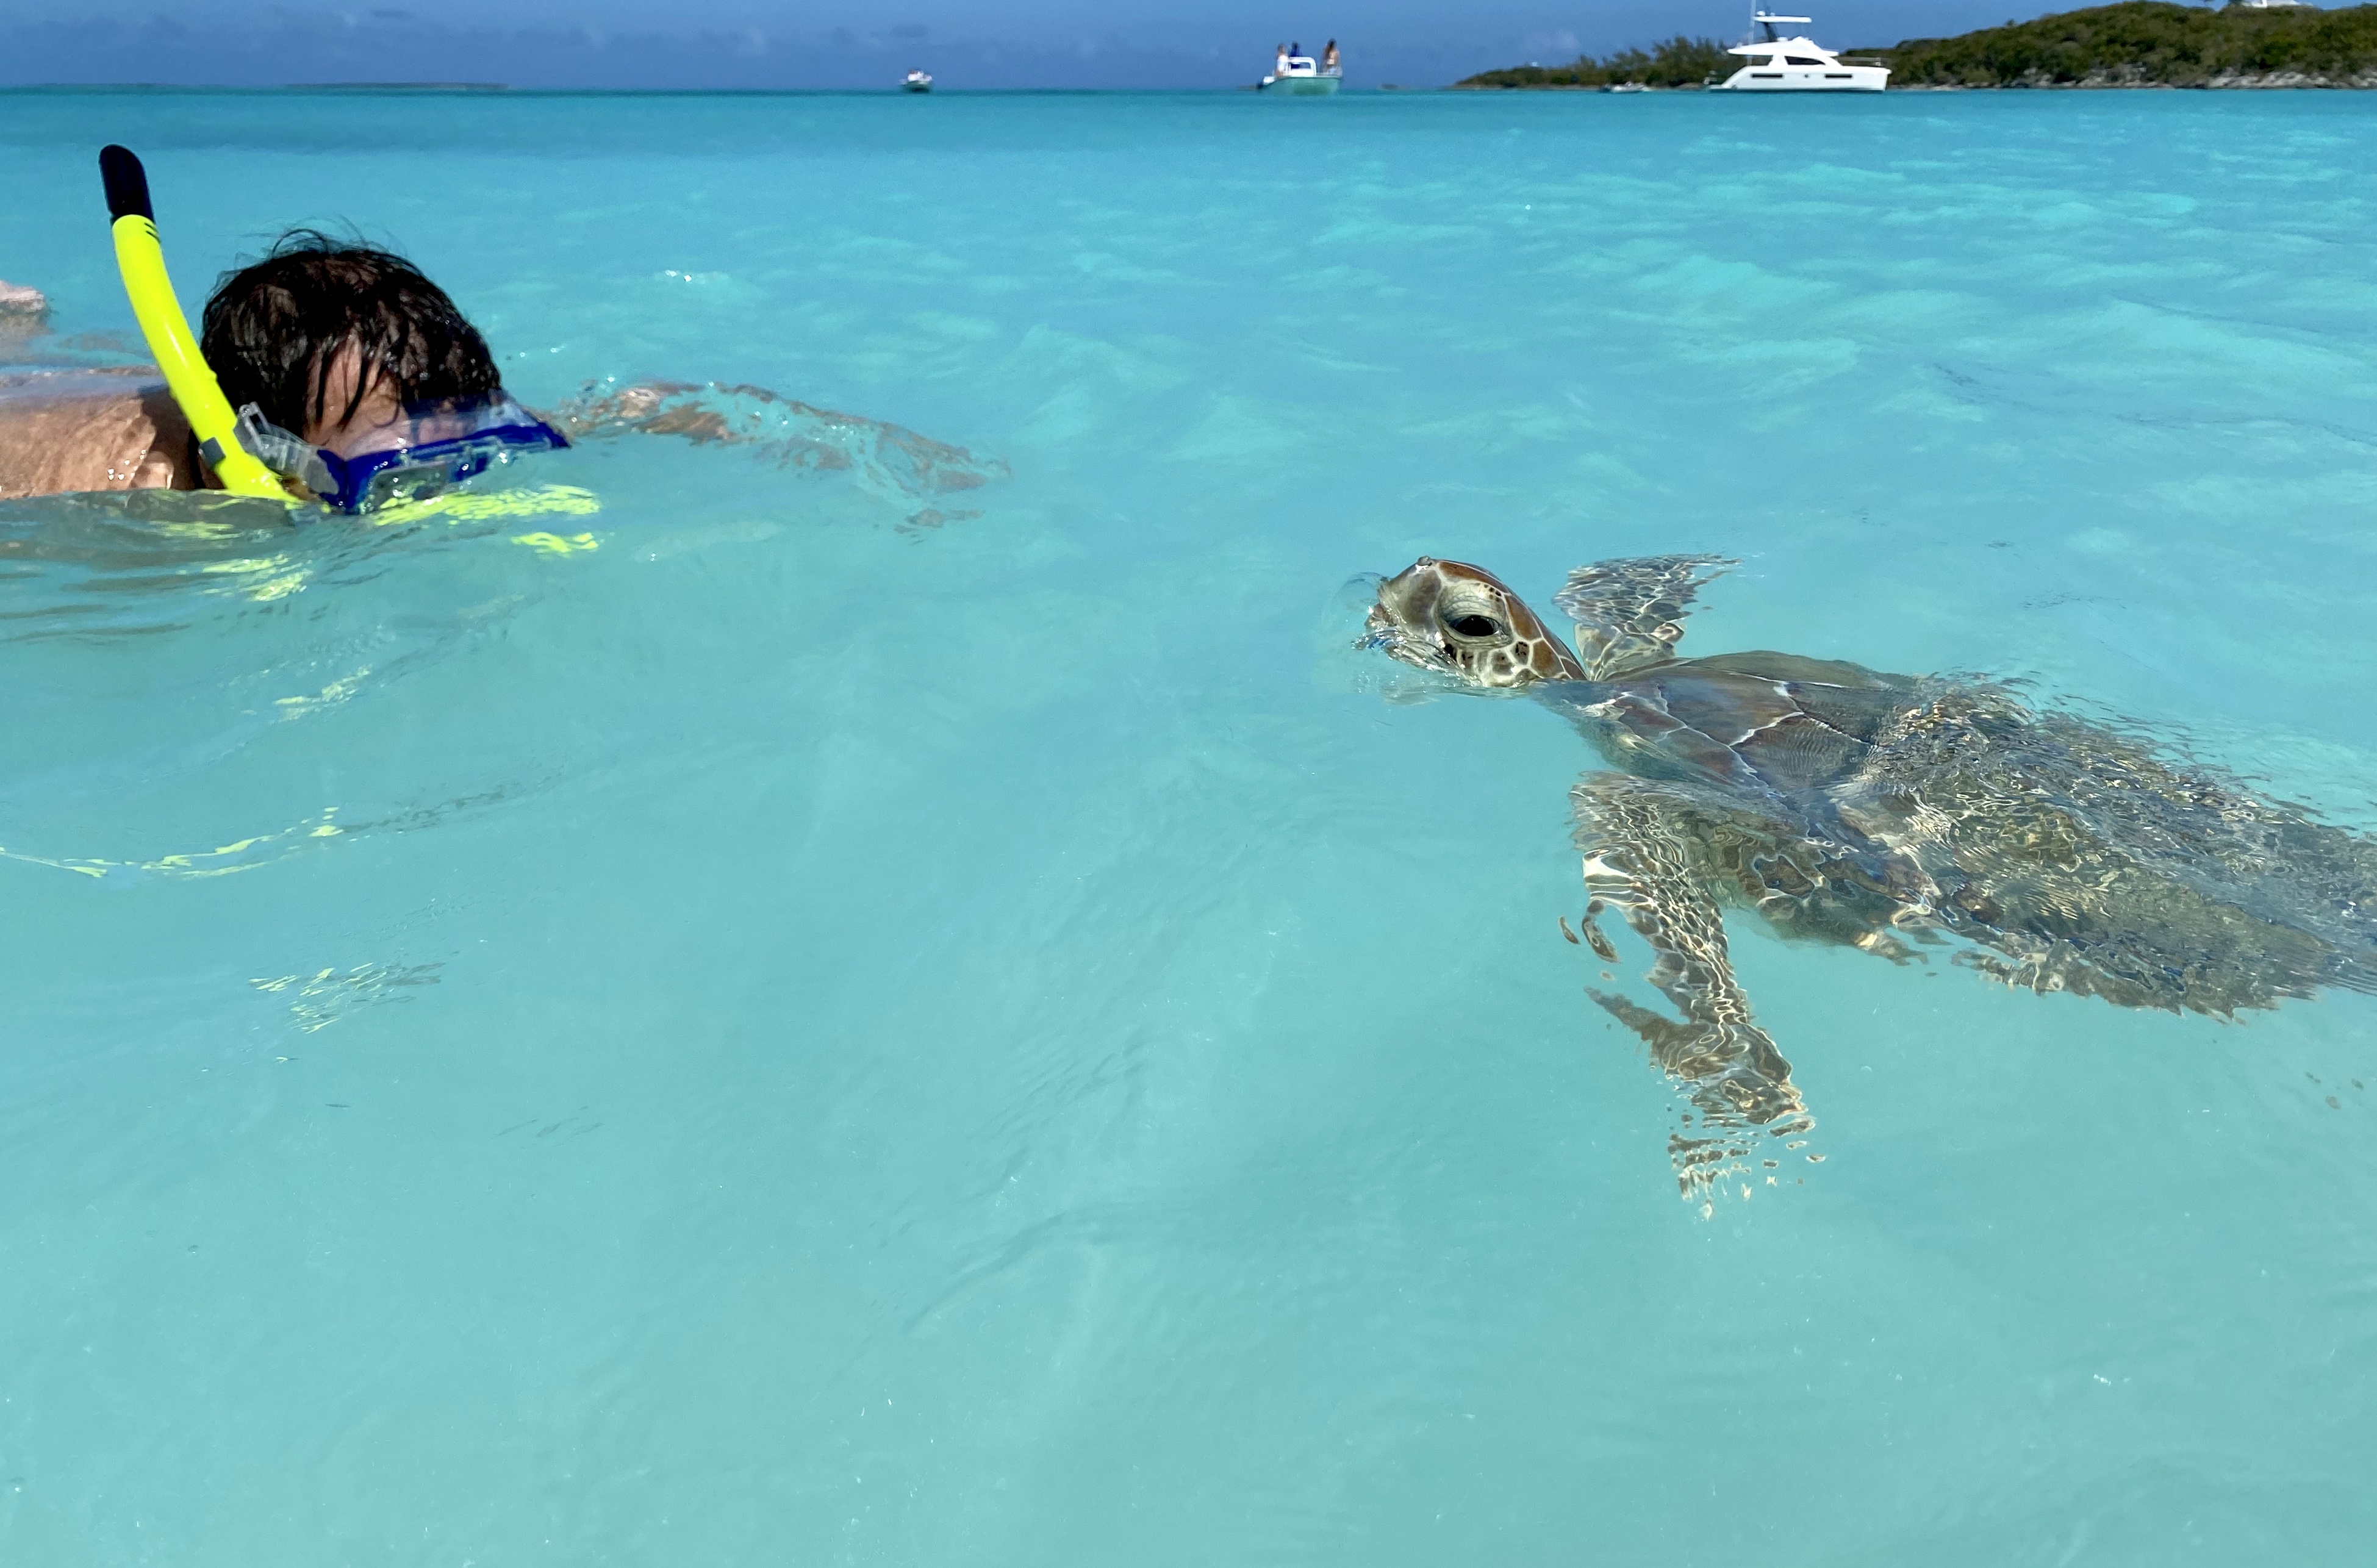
{"x": 838, "y": 1001}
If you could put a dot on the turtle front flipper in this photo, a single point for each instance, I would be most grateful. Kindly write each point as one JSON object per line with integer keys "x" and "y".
{"x": 1638, "y": 861}
{"x": 1629, "y": 614}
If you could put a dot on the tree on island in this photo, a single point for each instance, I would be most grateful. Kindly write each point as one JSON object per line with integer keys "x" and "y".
{"x": 2149, "y": 44}
{"x": 1679, "y": 62}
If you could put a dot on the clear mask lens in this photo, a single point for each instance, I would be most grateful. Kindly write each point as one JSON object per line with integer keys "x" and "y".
{"x": 434, "y": 447}
{"x": 420, "y": 474}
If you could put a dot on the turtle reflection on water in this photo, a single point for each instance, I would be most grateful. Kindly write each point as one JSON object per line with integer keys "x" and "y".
{"x": 1847, "y": 806}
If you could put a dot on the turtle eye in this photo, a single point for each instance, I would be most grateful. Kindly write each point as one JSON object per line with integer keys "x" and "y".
{"x": 1475, "y": 626}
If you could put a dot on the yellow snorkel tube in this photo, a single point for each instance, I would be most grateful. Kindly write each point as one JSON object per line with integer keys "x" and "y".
{"x": 142, "y": 261}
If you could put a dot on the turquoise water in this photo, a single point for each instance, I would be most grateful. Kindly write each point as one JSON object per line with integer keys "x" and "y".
{"x": 871, "y": 1019}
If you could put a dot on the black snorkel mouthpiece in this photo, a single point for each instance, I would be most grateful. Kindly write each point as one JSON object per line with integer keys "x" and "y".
{"x": 126, "y": 183}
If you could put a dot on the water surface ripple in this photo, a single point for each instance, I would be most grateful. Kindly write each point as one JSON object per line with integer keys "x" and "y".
{"x": 870, "y": 1019}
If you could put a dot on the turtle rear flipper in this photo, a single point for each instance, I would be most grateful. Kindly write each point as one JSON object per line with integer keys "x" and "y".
{"x": 1738, "y": 1083}
{"x": 1630, "y": 613}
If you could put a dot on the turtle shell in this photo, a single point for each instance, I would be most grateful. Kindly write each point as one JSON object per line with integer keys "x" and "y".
{"x": 1759, "y": 720}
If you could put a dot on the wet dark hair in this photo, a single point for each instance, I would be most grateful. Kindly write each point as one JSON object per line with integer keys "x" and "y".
{"x": 273, "y": 331}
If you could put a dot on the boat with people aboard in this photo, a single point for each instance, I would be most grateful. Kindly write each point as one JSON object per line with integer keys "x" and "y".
{"x": 1774, "y": 63}
{"x": 1296, "y": 74}
{"x": 916, "y": 81}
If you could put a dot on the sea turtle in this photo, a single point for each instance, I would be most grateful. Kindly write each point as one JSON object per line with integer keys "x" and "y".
{"x": 1850, "y": 806}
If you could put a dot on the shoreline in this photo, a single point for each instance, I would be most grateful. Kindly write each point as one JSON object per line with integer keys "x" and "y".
{"x": 2275, "y": 82}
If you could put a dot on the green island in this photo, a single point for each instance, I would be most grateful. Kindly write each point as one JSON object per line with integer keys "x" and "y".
{"x": 2138, "y": 44}
{"x": 1679, "y": 62}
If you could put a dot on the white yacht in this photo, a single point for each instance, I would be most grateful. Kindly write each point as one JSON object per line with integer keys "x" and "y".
{"x": 1299, "y": 75}
{"x": 1773, "y": 63}
{"x": 916, "y": 81}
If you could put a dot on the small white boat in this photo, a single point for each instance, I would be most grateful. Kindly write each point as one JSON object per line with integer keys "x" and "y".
{"x": 1297, "y": 76}
{"x": 916, "y": 81}
{"x": 1625, "y": 86}
{"x": 1773, "y": 62}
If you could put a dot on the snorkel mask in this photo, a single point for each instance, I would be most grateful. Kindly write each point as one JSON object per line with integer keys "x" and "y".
{"x": 432, "y": 447}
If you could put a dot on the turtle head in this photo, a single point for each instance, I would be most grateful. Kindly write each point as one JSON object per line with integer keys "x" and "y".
{"x": 1461, "y": 620}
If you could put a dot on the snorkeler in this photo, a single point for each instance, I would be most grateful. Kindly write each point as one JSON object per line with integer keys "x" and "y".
{"x": 355, "y": 380}
{"x": 334, "y": 373}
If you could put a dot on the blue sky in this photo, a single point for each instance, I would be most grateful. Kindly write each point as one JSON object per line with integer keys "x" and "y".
{"x": 736, "y": 44}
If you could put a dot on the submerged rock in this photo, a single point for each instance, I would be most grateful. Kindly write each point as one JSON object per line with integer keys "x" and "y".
{"x": 21, "y": 306}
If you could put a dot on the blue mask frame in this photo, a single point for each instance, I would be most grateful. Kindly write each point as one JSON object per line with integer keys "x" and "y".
{"x": 412, "y": 473}
{"x": 492, "y": 432}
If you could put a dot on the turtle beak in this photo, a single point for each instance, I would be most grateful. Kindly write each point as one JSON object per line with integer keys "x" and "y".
{"x": 1392, "y": 620}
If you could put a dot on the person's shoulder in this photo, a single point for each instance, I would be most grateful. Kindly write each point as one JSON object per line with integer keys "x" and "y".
{"x": 64, "y": 431}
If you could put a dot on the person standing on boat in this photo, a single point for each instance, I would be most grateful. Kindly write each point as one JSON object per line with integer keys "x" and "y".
{"x": 1280, "y": 68}
{"x": 1329, "y": 58}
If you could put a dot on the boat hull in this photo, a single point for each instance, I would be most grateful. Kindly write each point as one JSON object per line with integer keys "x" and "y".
{"x": 1806, "y": 78}
{"x": 1300, "y": 87}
